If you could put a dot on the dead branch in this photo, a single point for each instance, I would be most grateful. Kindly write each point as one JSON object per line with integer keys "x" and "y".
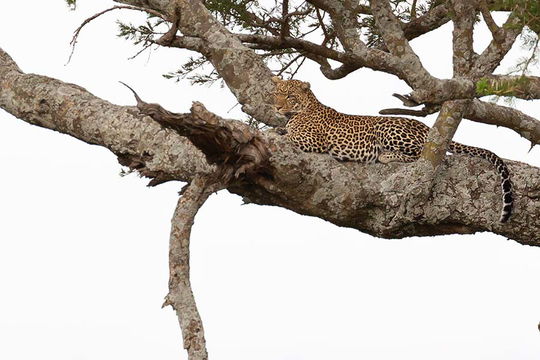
{"x": 76, "y": 33}
{"x": 236, "y": 149}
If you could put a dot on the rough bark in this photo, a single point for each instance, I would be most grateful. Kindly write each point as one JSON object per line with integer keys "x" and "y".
{"x": 451, "y": 113}
{"x": 374, "y": 198}
{"x": 243, "y": 71}
{"x": 489, "y": 113}
{"x": 442, "y": 132}
{"x": 247, "y": 76}
{"x": 180, "y": 295}
{"x": 436, "y": 195}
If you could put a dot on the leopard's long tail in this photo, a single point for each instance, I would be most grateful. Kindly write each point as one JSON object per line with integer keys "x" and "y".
{"x": 502, "y": 169}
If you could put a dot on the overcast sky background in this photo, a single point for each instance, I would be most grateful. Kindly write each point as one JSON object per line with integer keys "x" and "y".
{"x": 83, "y": 251}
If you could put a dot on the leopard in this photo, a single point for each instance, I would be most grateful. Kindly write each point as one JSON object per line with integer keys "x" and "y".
{"x": 315, "y": 127}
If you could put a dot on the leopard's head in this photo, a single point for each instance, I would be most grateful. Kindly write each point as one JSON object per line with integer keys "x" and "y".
{"x": 291, "y": 96}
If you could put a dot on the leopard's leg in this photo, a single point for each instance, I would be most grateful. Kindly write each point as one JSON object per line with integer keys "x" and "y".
{"x": 393, "y": 156}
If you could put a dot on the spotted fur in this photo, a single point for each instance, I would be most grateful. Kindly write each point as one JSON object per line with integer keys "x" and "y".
{"x": 315, "y": 127}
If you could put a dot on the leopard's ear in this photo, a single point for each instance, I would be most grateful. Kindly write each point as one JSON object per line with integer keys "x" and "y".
{"x": 306, "y": 85}
{"x": 276, "y": 79}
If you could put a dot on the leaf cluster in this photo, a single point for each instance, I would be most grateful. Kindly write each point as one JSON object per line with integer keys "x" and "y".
{"x": 72, "y": 4}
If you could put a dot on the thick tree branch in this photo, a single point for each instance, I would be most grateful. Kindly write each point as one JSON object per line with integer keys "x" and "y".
{"x": 141, "y": 143}
{"x": 374, "y": 198}
{"x": 243, "y": 71}
{"x": 180, "y": 295}
{"x": 493, "y": 114}
{"x": 462, "y": 36}
{"x": 394, "y": 38}
{"x": 442, "y": 132}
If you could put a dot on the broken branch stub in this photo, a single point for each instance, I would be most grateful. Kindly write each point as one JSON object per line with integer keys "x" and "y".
{"x": 237, "y": 149}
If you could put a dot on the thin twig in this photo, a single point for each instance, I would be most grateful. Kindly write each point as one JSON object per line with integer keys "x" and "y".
{"x": 73, "y": 41}
{"x": 323, "y": 27}
{"x": 298, "y": 67}
{"x": 288, "y": 65}
{"x": 140, "y": 51}
{"x": 530, "y": 58}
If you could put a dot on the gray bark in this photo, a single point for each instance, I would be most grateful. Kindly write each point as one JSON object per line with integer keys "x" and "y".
{"x": 180, "y": 295}
{"x": 242, "y": 70}
{"x": 374, "y": 198}
{"x": 436, "y": 195}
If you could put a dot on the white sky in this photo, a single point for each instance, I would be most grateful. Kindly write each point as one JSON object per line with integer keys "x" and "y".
{"x": 83, "y": 251}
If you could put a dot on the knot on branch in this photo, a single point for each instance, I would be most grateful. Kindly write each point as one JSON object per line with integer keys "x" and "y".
{"x": 235, "y": 147}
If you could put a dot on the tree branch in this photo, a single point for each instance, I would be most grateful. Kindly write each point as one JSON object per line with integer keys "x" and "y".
{"x": 180, "y": 295}
{"x": 246, "y": 75}
{"x": 502, "y": 42}
{"x": 493, "y": 114}
{"x": 72, "y": 110}
{"x": 488, "y": 19}
{"x": 441, "y": 133}
{"x": 374, "y": 198}
{"x": 184, "y": 42}
{"x": 462, "y": 36}
{"x": 394, "y": 38}
{"x": 433, "y": 19}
